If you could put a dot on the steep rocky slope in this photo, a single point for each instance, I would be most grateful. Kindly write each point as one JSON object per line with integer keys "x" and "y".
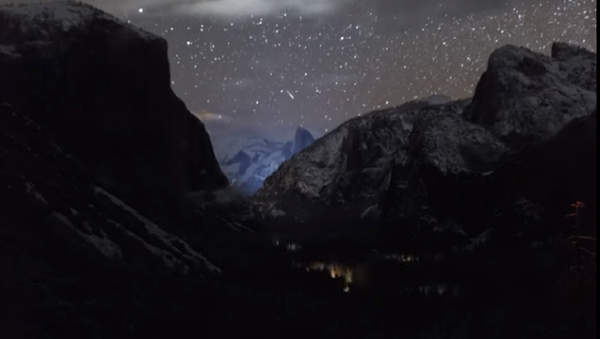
{"x": 48, "y": 196}
{"x": 343, "y": 169}
{"x": 104, "y": 87}
{"x": 525, "y": 97}
{"x": 76, "y": 260}
{"x": 561, "y": 170}
{"x": 447, "y": 168}
{"x": 96, "y": 155}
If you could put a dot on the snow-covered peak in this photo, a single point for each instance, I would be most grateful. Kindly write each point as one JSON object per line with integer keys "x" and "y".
{"x": 227, "y": 146}
{"x": 247, "y": 160}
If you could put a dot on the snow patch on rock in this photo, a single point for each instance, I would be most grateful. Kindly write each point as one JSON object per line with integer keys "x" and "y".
{"x": 186, "y": 251}
{"x": 30, "y": 189}
{"x": 9, "y": 50}
{"x": 104, "y": 245}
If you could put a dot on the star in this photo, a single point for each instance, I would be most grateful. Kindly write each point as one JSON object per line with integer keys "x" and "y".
{"x": 349, "y": 58}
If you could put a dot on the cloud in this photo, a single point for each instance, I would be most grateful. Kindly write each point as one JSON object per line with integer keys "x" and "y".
{"x": 218, "y": 8}
{"x": 407, "y": 10}
{"x": 208, "y": 116}
{"x": 236, "y": 8}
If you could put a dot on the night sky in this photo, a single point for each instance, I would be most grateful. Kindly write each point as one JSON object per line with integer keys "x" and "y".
{"x": 317, "y": 63}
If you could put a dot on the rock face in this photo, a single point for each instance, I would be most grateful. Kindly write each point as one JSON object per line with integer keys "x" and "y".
{"x": 562, "y": 170}
{"x": 344, "y": 169}
{"x": 442, "y": 176}
{"x": 74, "y": 257}
{"x": 104, "y": 87}
{"x": 92, "y": 139}
{"x": 248, "y": 161}
{"x": 302, "y": 139}
{"x": 445, "y": 170}
{"x": 525, "y": 97}
{"x": 47, "y": 194}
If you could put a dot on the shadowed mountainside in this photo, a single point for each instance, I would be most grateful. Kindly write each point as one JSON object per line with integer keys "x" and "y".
{"x": 104, "y": 87}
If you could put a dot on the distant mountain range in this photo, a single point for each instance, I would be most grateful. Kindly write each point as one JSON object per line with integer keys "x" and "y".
{"x": 247, "y": 160}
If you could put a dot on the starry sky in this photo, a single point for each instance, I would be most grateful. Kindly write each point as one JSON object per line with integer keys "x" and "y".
{"x": 277, "y": 64}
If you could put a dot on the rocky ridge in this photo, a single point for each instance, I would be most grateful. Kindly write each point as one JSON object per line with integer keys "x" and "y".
{"x": 98, "y": 158}
{"x": 433, "y": 168}
{"x": 51, "y": 188}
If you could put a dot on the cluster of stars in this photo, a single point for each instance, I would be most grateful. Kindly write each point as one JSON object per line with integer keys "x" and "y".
{"x": 288, "y": 70}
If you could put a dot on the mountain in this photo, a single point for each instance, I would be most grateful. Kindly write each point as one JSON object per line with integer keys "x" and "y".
{"x": 441, "y": 166}
{"x": 525, "y": 97}
{"x": 112, "y": 221}
{"x": 343, "y": 168}
{"x": 248, "y": 160}
{"x": 49, "y": 196}
{"x": 302, "y": 139}
{"x": 97, "y": 158}
{"x": 104, "y": 87}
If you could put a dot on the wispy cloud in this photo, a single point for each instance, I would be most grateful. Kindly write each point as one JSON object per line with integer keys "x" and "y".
{"x": 209, "y": 116}
{"x": 235, "y": 8}
{"x": 219, "y": 8}
{"x": 231, "y": 9}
